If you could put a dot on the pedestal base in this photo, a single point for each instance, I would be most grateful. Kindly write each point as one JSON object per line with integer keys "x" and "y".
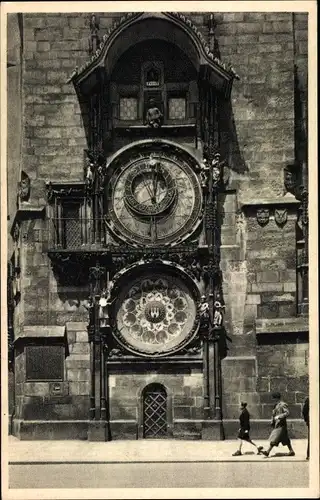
{"x": 98, "y": 431}
{"x": 212, "y": 430}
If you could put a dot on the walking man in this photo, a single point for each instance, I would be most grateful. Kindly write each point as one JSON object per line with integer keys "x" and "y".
{"x": 279, "y": 433}
{"x": 305, "y": 414}
{"x": 243, "y": 434}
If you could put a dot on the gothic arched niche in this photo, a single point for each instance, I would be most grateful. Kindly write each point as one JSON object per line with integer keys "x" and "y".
{"x": 157, "y": 70}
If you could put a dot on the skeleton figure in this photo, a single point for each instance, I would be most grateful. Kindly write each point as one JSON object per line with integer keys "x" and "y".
{"x": 204, "y": 174}
{"x": 216, "y": 171}
{"x": 154, "y": 115}
{"x": 218, "y": 314}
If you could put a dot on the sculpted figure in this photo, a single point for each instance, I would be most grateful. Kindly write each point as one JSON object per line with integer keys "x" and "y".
{"x": 216, "y": 172}
{"x": 24, "y": 187}
{"x": 204, "y": 312}
{"x": 204, "y": 174}
{"x": 218, "y": 314}
{"x": 154, "y": 116}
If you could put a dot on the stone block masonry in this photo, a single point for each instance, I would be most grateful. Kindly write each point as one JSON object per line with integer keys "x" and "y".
{"x": 258, "y": 139}
{"x": 262, "y": 99}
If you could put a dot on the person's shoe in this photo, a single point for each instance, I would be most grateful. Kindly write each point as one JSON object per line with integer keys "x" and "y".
{"x": 260, "y": 448}
{"x": 307, "y": 458}
{"x": 265, "y": 453}
{"x": 237, "y": 453}
{"x": 291, "y": 453}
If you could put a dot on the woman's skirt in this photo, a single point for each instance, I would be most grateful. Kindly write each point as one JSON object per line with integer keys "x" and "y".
{"x": 243, "y": 435}
{"x": 279, "y": 435}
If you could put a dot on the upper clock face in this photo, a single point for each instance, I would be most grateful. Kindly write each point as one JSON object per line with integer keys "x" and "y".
{"x": 154, "y": 200}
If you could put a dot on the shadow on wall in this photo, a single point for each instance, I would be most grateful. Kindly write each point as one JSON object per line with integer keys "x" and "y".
{"x": 229, "y": 145}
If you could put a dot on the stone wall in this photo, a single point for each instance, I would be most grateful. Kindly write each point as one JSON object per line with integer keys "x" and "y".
{"x": 14, "y": 114}
{"x": 259, "y": 140}
{"x": 184, "y": 387}
{"x": 257, "y": 129}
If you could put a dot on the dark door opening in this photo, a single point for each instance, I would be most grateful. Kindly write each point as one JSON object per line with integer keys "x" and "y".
{"x": 155, "y": 424}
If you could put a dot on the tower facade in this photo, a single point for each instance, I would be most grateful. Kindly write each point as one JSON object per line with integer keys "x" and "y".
{"x": 158, "y": 270}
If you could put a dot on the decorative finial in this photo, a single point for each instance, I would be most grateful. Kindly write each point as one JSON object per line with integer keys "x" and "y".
{"x": 213, "y": 43}
{"x": 94, "y": 40}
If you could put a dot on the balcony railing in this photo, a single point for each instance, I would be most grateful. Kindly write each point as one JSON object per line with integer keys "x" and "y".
{"x": 75, "y": 233}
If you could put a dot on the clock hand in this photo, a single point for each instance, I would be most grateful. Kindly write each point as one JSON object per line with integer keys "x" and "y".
{"x": 147, "y": 187}
{"x": 155, "y": 186}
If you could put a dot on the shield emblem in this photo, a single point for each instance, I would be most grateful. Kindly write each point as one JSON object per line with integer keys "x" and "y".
{"x": 280, "y": 216}
{"x": 263, "y": 216}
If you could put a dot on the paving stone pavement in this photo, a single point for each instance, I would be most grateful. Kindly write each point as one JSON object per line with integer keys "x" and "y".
{"x": 143, "y": 451}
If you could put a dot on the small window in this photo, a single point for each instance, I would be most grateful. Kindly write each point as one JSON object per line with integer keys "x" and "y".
{"x": 128, "y": 108}
{"x": 177, "y": 108}
{"x": 153, "y": 78}
{"x": 45, "y": 362}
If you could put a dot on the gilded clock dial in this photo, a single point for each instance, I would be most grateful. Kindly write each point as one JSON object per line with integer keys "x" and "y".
{"x": 154, "y": 200}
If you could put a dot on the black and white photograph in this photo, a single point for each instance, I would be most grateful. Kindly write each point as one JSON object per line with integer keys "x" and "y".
{"x": 158, "y": 223}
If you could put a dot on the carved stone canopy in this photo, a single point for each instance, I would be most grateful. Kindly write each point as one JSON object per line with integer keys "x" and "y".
{"x": 172, "y": 27}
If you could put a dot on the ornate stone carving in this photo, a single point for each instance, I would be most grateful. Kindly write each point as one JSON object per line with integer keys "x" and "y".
{"x": 94, "y": 40}
{"x": 135, "y": 15}
{"x": 263, "y": 216}
{"x": 24, "y": 187}
{"x": 63, "y": 191}
{"x": 281, "y": 216}
{"x": 204, "y": 174}
{"x": 94, "y": 169}
{"x": 213, "y": 42}
{"x": 204, "y": 313}
{"x": 290, "y": 178}
{"x": 218, "y": 314}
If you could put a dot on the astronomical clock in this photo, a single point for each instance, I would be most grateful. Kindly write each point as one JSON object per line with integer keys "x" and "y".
{"x": 155, "y": 313}
{"x": 154, "y": 201}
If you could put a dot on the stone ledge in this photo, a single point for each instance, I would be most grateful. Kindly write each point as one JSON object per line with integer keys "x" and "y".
{"x": 239, "y": 358}
{"x": 282, "y": 325}
{"x": 287, "y": 200}
{"x": 45, "y": 331}
{"x": 76, "y": 326}
{"x": 25, "y": 211}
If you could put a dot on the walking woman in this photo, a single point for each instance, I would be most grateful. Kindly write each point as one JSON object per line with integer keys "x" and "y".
{"x": 279, "y": 434}
{"x": 243, "y": 434}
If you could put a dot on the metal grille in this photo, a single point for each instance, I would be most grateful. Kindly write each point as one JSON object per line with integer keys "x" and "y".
{"x": 155, "y": 412}
{"x": 72, "y": 233}
{"x": 128, "y": 108}
{"x": 177, "y": 108}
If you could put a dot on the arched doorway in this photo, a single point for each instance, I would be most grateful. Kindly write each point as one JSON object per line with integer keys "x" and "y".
{"x": 154, "y": 407}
